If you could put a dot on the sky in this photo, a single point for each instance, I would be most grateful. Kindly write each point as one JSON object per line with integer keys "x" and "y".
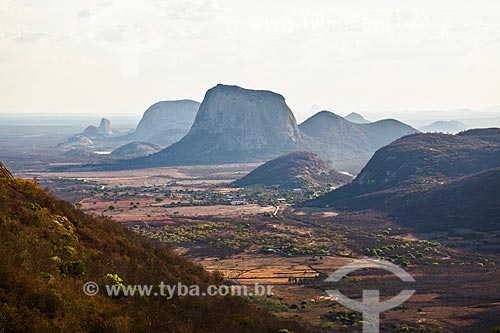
{"x": 109, "y": 57}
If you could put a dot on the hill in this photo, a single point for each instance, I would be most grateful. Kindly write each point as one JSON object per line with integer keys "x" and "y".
{"x": 294, "y": 170}
{"x": 135, "y": 149}
{"x": 470, "y": 202}
{"x": 356, "y": 118}
{"x": 233, "y": 124}
{"x": 427, "y": 172}
{"x": 348, "y": 145}
{"x": 450, "y": 127}
{"x": 166, "y": 122}
{"x": 49, "y": 250}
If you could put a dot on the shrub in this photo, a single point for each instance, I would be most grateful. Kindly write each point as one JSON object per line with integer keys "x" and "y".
{"x": 73, "y": 268}
{"x": 113, "y": 280}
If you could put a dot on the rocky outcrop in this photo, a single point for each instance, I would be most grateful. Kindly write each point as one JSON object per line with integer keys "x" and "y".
{"x": 104, "y": 130}
{"x": 234, "y": 124}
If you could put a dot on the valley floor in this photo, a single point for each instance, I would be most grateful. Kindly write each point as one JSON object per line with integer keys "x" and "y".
{"x": 458, "y": 281}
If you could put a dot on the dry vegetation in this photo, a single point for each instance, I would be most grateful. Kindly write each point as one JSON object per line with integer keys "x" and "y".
{"x": 456, "y": 272}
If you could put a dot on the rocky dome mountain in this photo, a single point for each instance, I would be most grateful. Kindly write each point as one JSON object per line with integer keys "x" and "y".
{"x": 49, "y": 250}
{"x": 421, "y": 166}
{"x": 449, "y": 127}
{"x": 136, "y": 149}
{"x": 295, "y": 170}
{"x": 166, "y": 122}
{"x": 234, "y": 124}
{"x": 348, "y": 145}
{"x": 356, "y": 118}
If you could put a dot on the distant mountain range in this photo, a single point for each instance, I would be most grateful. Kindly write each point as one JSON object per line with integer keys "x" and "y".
{"x": 449, "y": 127}
{"x": 235, "y": 125}
{"x": 426, "y": 168}
{"x": 298, "y": 170}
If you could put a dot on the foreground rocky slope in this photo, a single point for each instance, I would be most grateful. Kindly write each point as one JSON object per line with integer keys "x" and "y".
{"x": 296, "y": 170}
{"x": 49, "y": 250}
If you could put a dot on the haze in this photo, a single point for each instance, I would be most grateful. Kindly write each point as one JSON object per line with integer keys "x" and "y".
{"x": 118, "y": 57}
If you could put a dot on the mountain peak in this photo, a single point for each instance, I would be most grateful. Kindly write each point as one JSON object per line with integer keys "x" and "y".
{"x": 235, "y": 124}
{"x": 354, "y": 117}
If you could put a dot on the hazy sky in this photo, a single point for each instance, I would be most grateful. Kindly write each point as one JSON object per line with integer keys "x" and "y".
{"x": 117, "y": 57}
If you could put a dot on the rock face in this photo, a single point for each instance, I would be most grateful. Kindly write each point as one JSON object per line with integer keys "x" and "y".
{"x": 166, "y": 122}
{"x": 348, "y": 146}
{"x": 105, "y": 127}
{"x": 4, "y": 173}
{"x": 295, "y": 170}
{"x": 356, "y": 118}
{"x": 235, "y": 125}
{"x": 104, "y": 130}
{"x": 136, "y": 149}
{"x": 449, "y": 127}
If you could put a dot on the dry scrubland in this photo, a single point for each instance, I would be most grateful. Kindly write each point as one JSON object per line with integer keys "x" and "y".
{"x": 187, "y": 207}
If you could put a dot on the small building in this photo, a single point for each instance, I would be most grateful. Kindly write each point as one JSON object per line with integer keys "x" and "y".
{"x": 238, "y": 202}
